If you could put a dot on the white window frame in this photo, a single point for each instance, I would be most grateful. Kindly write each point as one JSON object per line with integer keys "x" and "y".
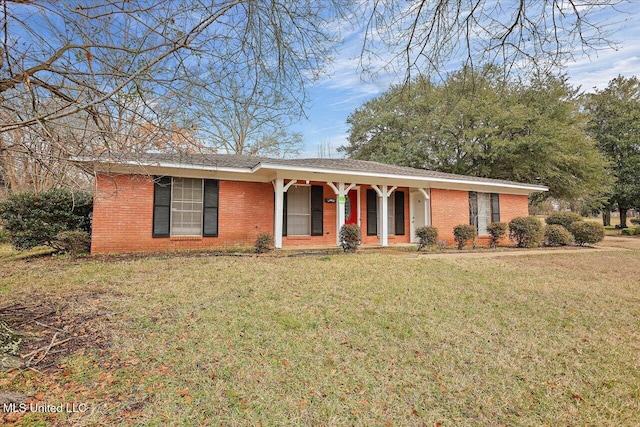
{"x": 173, "y": 209}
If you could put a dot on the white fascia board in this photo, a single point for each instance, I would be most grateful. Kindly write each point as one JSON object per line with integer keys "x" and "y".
{"x": 528, "y": 187}
{"x": 113, "y": 165}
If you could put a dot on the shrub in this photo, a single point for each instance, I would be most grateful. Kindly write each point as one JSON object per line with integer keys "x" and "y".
{"x": 73, "y": 242}
{"x": 428, "y": 236}
{"x": 34, "y": 219}
{"x": 633, "y": 231}
{"x": 587, "y": 232}
{"x": 557, "y": 235}
{"x": 4, "y": 236}
{"x": 526, "y": 231}
{"x": 635, "y": 221}
{"x": 564, "y": 219}
{"x": 350, "y": 237}
{"x": 463, "y": 233}
{"x": 264, "y": 242}
{"x": 497, "y": 230}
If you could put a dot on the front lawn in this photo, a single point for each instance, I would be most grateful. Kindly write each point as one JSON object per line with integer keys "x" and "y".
{"x": 364, "y": 339}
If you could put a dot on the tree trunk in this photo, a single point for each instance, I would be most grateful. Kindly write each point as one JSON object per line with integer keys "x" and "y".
{"x": 623, "y": 217}
{"x": 606, "y": 218}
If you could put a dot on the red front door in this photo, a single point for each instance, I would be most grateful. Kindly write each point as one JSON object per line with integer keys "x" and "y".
{"x": 351, "y": 208}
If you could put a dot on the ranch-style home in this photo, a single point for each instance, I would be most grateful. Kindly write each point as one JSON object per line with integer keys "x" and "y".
{"x": 157, "y": 201}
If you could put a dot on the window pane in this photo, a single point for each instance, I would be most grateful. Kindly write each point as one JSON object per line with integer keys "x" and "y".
{"x": 186, "y": 207}
{"x": 484, "y": 212}
{"x": 299, "y": 211}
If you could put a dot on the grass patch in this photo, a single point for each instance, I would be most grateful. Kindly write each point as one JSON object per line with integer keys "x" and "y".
{"x": 369, "y": 339}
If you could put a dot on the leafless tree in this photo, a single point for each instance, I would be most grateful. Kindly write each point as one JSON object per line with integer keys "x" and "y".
{"x": 428, "y": 36}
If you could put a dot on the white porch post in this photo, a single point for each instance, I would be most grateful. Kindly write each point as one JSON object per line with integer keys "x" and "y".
{"x": 279, "y": 188}
{"x": 341, "y": 195}
{"x": 427, "y": 213}
{"x": 383, "y": 193}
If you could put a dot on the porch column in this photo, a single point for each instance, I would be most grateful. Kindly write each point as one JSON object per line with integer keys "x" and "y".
{"x": 427, "y": 212}
{"x": 341, "y": 198}
{"x": 383, "y": 194}
{"x": 279, "y": 188}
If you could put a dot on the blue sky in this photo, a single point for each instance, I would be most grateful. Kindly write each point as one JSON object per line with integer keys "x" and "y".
{"x": 333, "y": 98}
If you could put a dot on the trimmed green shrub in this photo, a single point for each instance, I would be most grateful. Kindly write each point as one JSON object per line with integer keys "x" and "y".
{"x": 497, "y": 230}
{"x": 463, "y": 233}
{"x": 34, "y": 219}
{"x": 73, "y": 242}
{"x": 564, "y": 219}
{"x": 587, "y": 232}
{"x": 350, "y": 237}
{"x": 526, "y": 231}
{"x": 428, "y": 236}
{"x": 557, "y": 235}
{"x": 632, "y": 231}
{"x": 264, "y": 243}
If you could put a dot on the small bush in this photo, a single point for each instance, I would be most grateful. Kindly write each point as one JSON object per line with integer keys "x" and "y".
{"x": 587, "y": 232}
{"x": 428, "y": 236}
{"x": 497, "y": 230}
{"x": 264, "y": 243}
{"x": 635, "y": 221}
{"x": 564, "y": 219}
{"x": 35, "y": 219}
{"x": 526, "y": 231}
{"x": 74, "y": 242}
{"x": 633, "y": 231}
{"x": 350, "y": 237}
{"x": 557, "y": 235}
{"x": 463, "y": 233}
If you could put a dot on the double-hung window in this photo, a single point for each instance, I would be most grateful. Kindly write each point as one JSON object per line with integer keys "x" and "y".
{"x": 484, "y": 208}
{"x": 185, "y": 207}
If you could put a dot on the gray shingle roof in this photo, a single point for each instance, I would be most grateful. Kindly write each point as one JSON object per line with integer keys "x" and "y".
{"x": 250, "y": 162}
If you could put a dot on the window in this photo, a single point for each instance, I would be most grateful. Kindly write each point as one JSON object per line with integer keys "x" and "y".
{"x": 395, "y": 212}
{"x": 484, "y": 208}
{"x": 303, "y": 211}
{"x": 298, "y": 211}
{"x": 185, "y": 207}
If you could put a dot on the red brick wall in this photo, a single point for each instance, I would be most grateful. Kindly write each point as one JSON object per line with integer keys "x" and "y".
{"x": 123, "y": 216}
{"x": 451, "y": 207}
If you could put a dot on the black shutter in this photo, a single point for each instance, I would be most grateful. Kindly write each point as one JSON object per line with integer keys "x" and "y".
{"x": 210, "y": 208}
{"x": 399, "y": 213}
{"x": 372, "y": 212}
{"x": 161, "y": 206}
{"x": 495, "y": 207}
{"x": 317, "y": 202}
{"x": 473, "y": 208}
{"x": 284, "y": 214}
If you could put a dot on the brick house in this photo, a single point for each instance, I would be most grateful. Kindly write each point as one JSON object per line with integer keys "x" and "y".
{"x": 170, "y": 201}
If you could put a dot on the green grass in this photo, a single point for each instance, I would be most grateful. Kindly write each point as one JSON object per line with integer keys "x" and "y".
{"x": 366, "y": 339}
